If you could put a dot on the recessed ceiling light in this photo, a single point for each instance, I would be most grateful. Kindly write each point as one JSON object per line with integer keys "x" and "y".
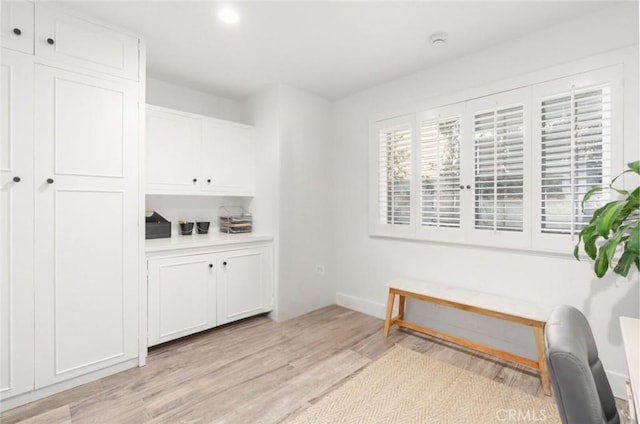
{"x": 438, "y": 39}
{"x": 228, "y": 15}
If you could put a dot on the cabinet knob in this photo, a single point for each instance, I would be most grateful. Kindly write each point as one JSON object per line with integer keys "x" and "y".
{"x": 209, "y": 180}
{"x": 461, "y": 187}
{"x": 468, "y": 187}
{"x": 16, "y": 179}
{"x": 224, "y": 263}
{"x": 49, "y": 180}
{"x": 210, "y": 265}
{"x": 17, "y": 31}
{"x": 50, "y": 41}
{"x": 195, "y": 180}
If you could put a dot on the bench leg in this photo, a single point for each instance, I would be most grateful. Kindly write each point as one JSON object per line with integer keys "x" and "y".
{"x": 401, "y": 307}
{"x": 542, "y": 361}
{"x": 387, "y": 321}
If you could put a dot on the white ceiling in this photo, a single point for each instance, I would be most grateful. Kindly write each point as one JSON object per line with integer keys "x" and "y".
{"x": 329, "y": 48}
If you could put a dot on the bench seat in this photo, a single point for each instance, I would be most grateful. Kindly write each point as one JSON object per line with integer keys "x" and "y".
{"x": 510, "y": 309}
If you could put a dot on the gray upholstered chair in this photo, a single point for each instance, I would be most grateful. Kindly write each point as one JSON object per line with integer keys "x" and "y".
{"x": 580, "y": 385}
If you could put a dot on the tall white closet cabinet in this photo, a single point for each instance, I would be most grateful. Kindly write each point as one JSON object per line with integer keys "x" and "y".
{"x": 69, "y": 218}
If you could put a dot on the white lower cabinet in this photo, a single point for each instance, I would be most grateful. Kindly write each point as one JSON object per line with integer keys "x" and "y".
{"x": 194, "y": 292}
{"x": 244, "y": 284}
{"x": 182, "y": 296}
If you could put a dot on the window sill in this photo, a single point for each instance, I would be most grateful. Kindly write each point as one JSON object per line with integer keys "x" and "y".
{"x": 568, "y": 254}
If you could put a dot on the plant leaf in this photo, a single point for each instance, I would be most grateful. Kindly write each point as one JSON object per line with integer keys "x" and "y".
{"x": 619, "y": 175}
{"x": 602, "y": 262}
{"x": 608, "y": 216}
{"x": 590, "y": 246}
{"x": 624, "y": 264}
{"x": 612, "y": 243}
{"x": 590, "y": 193}
{"x": 633, "y": 242}
{"x": 634, "y": 166}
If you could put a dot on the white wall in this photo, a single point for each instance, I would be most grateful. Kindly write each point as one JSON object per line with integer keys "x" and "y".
{"x": 360, "y": 264}
{"x": 175, "y": 96}
{"x": 304, "y": 219}
{"x": 263, "y": 111}
{"x": 292, "y": 131}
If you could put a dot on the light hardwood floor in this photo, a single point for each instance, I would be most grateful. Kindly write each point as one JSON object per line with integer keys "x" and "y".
{"x": 252, "y": 371}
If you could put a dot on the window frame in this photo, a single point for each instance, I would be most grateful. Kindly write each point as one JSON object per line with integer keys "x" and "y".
{"x": 438, "y": 233}
{"x": 376, "y": 226}
{"x": 612, "y": 76}
{"x": 520, "y": 96}
{"x": 528, "y": 94}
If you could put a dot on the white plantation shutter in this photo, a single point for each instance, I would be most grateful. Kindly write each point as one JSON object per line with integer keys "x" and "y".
{"x": 394, "y": 175}
{"x": 440, "y": 172}
{"x": 575, "y": 156}
{"x": 499, "y": 169}
{"x": 508, "y": 169}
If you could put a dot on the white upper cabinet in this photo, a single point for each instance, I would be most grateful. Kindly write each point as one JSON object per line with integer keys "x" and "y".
{"x": 85, "y": 44}
{"x": 16, "y": 26}
{"x": 227, "y": 158}
{"x": 173, "y": 147}
{"x": 192, "y": 154}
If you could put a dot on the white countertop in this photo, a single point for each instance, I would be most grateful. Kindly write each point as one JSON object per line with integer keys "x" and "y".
{"x": 507, "y": 305}
{"x": 202, "y": 240}
{"x": 631, "y": 338}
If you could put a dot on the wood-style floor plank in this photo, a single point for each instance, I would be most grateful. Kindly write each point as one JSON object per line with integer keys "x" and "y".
{"x": 251, "y": 371}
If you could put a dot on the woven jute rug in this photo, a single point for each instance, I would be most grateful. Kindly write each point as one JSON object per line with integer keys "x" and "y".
{"x": 410, "y": 387}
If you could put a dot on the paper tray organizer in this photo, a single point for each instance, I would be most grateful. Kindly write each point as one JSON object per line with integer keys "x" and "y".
{"x": 234, "y": 220}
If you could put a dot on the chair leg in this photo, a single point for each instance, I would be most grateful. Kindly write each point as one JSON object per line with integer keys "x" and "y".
{"x": 542, "y": 361}
{"x": 387, "y": 321}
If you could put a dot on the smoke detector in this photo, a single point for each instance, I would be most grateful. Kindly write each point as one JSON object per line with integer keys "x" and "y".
{"x": 438, "y": 39}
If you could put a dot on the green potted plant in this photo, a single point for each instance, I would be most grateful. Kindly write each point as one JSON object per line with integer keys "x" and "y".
{"x": 612, "y": 237}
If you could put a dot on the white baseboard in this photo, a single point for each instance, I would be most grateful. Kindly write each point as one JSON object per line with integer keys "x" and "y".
{"x": 25, "y": 398}
{"x": 378, "y": 310}
{"x": 365, "y": 306}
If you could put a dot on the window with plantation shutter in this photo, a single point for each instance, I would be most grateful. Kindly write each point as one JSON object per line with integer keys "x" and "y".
{"x": 394, "y": 184}
{"x": 508, "y": 169}
{"x": 440, "y": 172}
{"x": 499, "y": 169}
{"x": 575, "y": 156}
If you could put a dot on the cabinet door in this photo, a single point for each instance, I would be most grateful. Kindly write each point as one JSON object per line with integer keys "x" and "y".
{"x": 16, "y": 224}
{"x": 85, "y": 44}
{"x": 245, "y": 284}
{"x": 16, "y": 25}
{"x": 86, "y": 223}
{"x": 227, "y": 158}
{"x": 182, "y": 297}
{"x": 173, "y": 150}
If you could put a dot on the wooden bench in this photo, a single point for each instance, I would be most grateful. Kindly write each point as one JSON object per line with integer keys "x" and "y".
{"x": 508, "y": 309}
